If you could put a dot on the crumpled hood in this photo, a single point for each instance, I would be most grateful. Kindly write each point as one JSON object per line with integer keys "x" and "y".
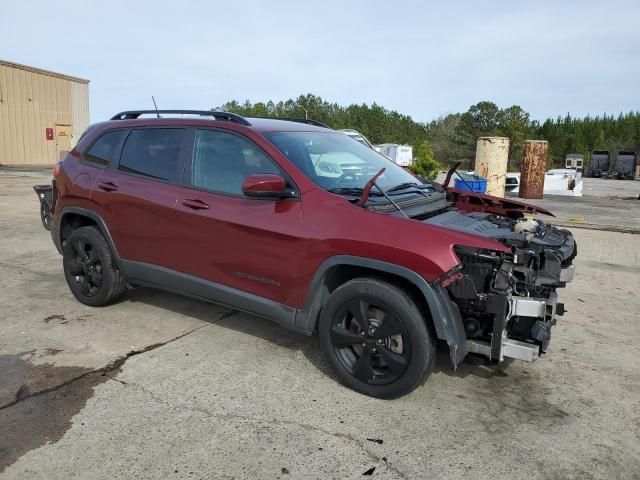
{"x": 480, "y": 202}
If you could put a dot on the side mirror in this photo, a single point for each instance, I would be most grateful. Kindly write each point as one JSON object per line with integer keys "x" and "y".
{"x": 266, "y": 185}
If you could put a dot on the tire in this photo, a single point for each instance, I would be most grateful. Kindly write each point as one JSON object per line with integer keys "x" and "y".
{"x": 90, "y": 268}
{"x": 394, "y": 352}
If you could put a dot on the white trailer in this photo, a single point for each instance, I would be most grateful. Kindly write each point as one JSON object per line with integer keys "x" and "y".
{"x": 559, "y": 181}
{"x": 574, "y": 161}
{"x": 400, "y": 154}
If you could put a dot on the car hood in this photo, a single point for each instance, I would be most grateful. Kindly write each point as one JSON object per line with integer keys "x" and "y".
{"x": 480, "y": 202}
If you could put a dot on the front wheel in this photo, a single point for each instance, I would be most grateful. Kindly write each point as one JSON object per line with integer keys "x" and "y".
{"x": 376, "y": 339}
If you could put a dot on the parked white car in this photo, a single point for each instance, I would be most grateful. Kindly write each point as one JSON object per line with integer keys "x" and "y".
{"x": 359, "y": 137}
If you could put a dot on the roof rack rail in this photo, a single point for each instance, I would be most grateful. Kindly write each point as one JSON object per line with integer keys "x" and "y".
{"x": 228, "y": 116}
{"x": 299, "y": 120}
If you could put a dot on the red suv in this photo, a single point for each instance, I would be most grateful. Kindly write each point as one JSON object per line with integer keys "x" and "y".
{"x": 262, "y": 215}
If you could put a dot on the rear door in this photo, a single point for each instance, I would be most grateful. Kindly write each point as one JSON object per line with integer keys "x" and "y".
{"x": 249, "y": 244}
{"x": 137, "y": 198}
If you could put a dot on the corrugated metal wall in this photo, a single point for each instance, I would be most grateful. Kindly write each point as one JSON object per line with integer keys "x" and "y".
{"x": 32, "y": 100}
{"x": 80, "y": 110}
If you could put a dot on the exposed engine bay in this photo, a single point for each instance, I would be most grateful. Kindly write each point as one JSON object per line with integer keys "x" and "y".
{"x": 507, "y": 301}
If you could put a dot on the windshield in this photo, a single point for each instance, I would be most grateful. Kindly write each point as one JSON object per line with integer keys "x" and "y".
{"x": 335, "y": 161}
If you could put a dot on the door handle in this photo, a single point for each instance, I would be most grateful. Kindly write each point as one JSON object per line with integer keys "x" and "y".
{"x": 195, "y": 204}
{"x": 107, "y": 186}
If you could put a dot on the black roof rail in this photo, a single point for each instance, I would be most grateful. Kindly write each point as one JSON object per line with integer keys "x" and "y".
{"x": 228, "y": 116}
{"x": 299, "y": 120}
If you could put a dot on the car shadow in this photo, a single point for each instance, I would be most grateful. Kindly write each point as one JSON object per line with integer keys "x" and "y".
{"x": 235, "y": 320}
{"x": 278, "y": 335}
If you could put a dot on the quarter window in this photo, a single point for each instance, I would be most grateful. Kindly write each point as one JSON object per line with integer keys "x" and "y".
{"x": 101, "y": 152}
{"x": 153, "y": 152}
{"x": 221, "y": 162}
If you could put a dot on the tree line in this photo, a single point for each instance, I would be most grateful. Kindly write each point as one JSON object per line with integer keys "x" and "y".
{"x": 452, "y": 138}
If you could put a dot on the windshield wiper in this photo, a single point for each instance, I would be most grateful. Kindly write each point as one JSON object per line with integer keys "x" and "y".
{"x": 366, "y": 191}
{"x": 351, "y": 191}
{"x": 403, "y": 186}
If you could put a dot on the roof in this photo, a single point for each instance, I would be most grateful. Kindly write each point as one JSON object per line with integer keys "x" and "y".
{"x": 253, "y": 123}
{"x": 41, "y": 71}
{"x": 280, "y": 125}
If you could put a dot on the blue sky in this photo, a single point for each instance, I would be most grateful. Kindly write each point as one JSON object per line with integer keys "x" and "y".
{"x": 421, "y": 58}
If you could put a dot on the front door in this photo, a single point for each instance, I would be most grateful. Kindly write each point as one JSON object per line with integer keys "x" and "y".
{"x": 252, "y": 245}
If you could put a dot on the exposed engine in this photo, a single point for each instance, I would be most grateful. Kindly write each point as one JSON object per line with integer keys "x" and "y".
{"x": 508, "y": 302}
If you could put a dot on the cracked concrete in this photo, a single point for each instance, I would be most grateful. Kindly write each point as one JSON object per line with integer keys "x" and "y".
{"x": 22, "y": 424}
{"x": 26, "y": 392}
{"x": 159, "y": 386}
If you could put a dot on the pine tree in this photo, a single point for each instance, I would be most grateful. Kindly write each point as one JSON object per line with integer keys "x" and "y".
{"x": 424, "y": 165}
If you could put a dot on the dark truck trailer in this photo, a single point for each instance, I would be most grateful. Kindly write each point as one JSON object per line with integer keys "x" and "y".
{"x": 625, "y": 165}
{"x": 599, "y": 163}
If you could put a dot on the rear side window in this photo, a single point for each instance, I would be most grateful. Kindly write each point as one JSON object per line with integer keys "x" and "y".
{"x": 101, "y": 152}
{"x": 153, "y": 152}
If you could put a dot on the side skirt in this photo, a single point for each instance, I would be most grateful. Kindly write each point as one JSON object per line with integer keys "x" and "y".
{"x": 144, "y": 274}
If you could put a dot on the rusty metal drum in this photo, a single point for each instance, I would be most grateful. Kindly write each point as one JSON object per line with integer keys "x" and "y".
{"x": 533, "y": 168}
{"x": 492, "y": 156}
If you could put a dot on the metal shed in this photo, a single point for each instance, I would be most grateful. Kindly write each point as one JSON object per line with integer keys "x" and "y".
{"x": 42, "y": 114}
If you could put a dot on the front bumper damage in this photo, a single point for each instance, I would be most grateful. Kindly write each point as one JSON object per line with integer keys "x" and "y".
{"x": 507, "y": 301}
{"x": 541, "y": 312}
{"x": 538, "y": 314}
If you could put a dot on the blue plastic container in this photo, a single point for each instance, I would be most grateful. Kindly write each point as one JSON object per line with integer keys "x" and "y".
{"x": 478, "y": 185}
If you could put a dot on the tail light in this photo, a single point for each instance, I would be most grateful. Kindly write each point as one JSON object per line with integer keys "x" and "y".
{"x": 56, "y": 169}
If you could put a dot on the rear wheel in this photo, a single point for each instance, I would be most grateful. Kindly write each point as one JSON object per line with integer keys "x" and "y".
{"x": 90, "y": 269}
{"x": 376, "y": 339}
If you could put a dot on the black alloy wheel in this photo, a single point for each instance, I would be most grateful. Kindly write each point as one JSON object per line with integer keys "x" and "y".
{"x": 370, "y": 341}
{"x": 90, "y": 268}
{"x": 376, "y": 338}
{"x": 85, "y": 267}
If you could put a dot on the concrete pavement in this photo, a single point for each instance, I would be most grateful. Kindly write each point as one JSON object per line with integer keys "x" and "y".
{"x": 160, "y": 386}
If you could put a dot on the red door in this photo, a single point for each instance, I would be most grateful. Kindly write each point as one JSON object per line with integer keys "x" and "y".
{"x": 138, "y": 200}
{"x": 253, "y": 245}
{"x": 139, "y": 214}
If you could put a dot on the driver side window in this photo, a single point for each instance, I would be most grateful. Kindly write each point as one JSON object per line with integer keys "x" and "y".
{"x": 221, "y": 162}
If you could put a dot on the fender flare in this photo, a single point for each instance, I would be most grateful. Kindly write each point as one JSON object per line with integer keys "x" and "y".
{"x": 444, "y": 313}
{"x": 56, "y": 233}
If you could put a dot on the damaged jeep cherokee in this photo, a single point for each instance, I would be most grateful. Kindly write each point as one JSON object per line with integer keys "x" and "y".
{"x": 295, "y": 222}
